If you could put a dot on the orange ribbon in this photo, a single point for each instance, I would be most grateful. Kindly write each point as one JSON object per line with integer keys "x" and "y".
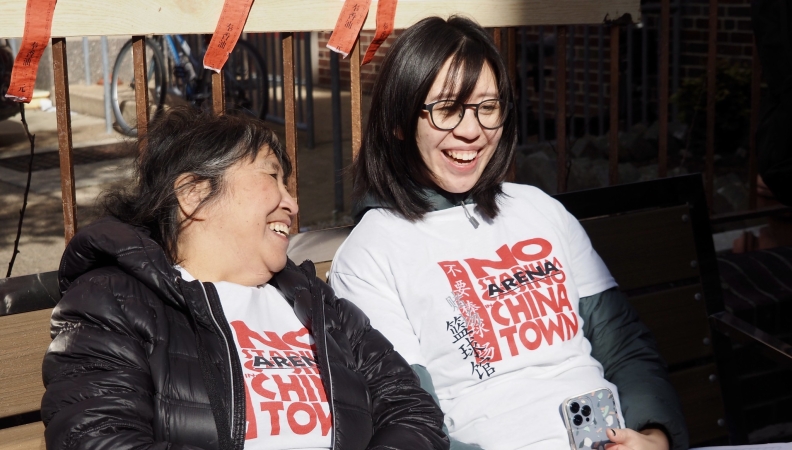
{"x": 229, "y": 28}
{"x": 35, "y": 38}
{"x": 386, "y": 15}
{"x": 350, "y": 21}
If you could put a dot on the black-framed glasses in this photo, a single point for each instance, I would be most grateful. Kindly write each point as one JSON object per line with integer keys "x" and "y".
{"x": 448, "y": 114}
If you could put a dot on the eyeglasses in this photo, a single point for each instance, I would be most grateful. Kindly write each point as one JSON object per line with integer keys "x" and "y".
{"x": 448, "y": 114}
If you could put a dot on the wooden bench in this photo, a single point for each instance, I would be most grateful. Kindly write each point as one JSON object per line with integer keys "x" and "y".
{"x": 24, "y": 337}
{"x": 656, "y": 240}
{"x": 654, "y": 236}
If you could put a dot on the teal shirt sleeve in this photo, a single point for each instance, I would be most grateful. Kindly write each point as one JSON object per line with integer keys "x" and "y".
{"x": 628, "y": 353}
{"x": 428, "y": 386}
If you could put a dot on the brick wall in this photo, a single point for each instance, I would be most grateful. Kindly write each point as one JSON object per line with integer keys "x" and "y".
{"x": 735, "y": 43}
{"x": 367, "y": 73}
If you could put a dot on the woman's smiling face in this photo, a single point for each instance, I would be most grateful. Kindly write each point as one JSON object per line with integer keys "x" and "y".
{"x": 458, "y": 157}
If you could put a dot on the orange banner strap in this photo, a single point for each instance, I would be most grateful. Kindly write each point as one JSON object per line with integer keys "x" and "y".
{"x": 229, "y": 28}
{"x": 386, "y": 15}
{"x": 350, "y": 21}
{"x": 35, "y": 38}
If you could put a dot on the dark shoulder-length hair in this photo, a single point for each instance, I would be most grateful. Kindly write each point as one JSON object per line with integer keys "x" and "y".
{"x": 181, "y": 141}
{"x": 389, "y": 167}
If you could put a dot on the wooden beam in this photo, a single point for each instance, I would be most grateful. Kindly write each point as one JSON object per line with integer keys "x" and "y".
{"x": 141, "y": 84}
{"x": 218, "y": 93}
{"x": 63, "y": 116}
{"x": 357, "y": 98}
{"x": 613, "y": 156}
{"x": 561, "y": 101}
{"x": 142, "y": 17}
{"x": 287, "y": 48}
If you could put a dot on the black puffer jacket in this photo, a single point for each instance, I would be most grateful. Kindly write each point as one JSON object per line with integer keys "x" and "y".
{"x": 142, "y": 359}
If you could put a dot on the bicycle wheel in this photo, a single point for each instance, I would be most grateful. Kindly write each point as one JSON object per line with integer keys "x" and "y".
{"x": 122, "y": 87}
{"x": 246, "y": 83}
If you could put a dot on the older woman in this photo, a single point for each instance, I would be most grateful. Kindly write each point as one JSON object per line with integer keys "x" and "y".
{"x": 184, "y": 325}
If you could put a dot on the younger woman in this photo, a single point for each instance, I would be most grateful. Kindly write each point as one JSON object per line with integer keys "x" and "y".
{"x": 491, "y": 290}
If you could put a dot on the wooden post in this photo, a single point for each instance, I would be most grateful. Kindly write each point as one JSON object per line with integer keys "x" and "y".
{"x": 662, "y": 91}
{"x": 756, "y": 91}
{"x": 613, "y": 156}
{"x": 141, "y": 83}
{"x": 289, "y": 111}
{"x": 63, "y": 116}
{"x": 712, "y": 88}
{"x": 356, "y": 95}
{"x": 561, "y": 100}
{"x": 218, "y": 93}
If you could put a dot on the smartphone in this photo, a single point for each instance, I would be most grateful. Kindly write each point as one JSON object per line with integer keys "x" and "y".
{"x": 587, "y": 418}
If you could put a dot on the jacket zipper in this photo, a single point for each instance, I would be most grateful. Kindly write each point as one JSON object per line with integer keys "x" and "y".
{"x": 230, "y": 369}
{"x": 329, "y": 392}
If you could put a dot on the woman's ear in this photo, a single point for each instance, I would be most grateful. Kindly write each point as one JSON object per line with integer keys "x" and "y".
{"x": 190, "y": 193}
{"x": 398, "y": 133}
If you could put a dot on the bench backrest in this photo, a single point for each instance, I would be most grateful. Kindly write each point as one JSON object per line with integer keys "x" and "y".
{"x": 655, "y": 239}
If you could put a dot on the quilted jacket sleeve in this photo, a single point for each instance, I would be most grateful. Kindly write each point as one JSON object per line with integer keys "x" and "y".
{"x": 405, "y": 416}
{"x": 628, "y": 353}
{"x": 99, "y": 389}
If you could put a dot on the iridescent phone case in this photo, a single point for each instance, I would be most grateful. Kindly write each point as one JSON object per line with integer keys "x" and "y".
{"x": 588, "y": 417}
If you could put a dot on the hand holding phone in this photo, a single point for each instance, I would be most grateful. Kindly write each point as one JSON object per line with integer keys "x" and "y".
{"x": 587, "y": 418}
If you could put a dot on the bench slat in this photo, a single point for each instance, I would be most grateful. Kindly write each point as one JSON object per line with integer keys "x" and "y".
{"x": 24, "y": 339}
{"x": 23, "y": 437}
{"x": 646, "y": 248}
{"x": 701, "y": 402}
{"x": 678, "y": 321}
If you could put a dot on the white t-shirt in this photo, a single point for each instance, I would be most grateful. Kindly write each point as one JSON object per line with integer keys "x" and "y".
{"x": 287, "y": 406}
{"x": 492, "y": 312}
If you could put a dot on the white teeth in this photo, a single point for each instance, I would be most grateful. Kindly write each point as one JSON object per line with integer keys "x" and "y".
{"x": 279, "y": 228}
{"x": 462, "y": 155}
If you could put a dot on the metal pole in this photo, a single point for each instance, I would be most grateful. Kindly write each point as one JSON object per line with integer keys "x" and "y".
{"x": 524, "y": 84}
{"x": 14, "y": 46}
{"x": 298, "y": 67}
{"x": 586, "y": 81}
{"x": 571, "y": 80}
{"x": 756, "y": 80}
{"x": 86, "y": 61}
{"x": 644, "y": 73}
{"x": 629, "y": 76}
{"x": 561, "y": 73}
{"x": 711, "y": 93}
{"x": 614, "y": 106}
{"x": 662, "y": 91}
{"x": 676, "y": 55}
{"x": 600, "y": 83}
{"x": 309, "y": 105}
{"x": 338, "y": 155}
{"x": 541, "y": 93}
{"x": 106, "y": 79}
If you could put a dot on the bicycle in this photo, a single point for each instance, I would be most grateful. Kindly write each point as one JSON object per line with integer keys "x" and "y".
{"x": 175, "y": 79}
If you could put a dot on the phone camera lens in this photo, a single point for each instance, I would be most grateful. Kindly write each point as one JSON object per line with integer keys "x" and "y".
{"x": 577, "y": 420}
{"x": 574, "y": 407}
{"x": 586, "y": 410}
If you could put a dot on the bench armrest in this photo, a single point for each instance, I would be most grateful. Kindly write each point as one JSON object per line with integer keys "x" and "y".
{"x": 742, "y": 331}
